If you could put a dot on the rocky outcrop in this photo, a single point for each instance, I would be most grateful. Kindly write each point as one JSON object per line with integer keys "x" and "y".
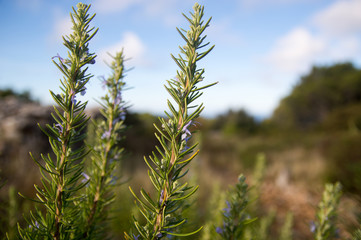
{"x": 19, "y": 135}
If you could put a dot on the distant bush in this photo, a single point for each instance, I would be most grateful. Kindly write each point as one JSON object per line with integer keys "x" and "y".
{"x": 317, "y": 94}
{"x": 9, "y": 92}
{"x": 236, "y": 122}
{"x": 344, "y": 153}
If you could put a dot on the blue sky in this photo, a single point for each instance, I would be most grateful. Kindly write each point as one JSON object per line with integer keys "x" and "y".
{"x": 262, "y": 47}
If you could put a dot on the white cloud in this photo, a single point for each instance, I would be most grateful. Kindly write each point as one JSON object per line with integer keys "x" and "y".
{"x": 340, "y": 18}
{"x": 133, "y": 47}
{"x": 61, "y": 27}
{"x": 111, "y": 6}
{"x": 263, "y": 3}
{"x": 33, "y": 5}
{"x": 335, "y": 38}
{"x": 295, "y": 51}
{"x": 166, "y": 10}
{"x": 222, "y": 32}
{"x": 345, "y": 49}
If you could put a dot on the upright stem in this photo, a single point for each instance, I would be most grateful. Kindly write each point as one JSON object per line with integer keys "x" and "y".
{"x": 105, "y": 150}
{"x": 164, "y": 215}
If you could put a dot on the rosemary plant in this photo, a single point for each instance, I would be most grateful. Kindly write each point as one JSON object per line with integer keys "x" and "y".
{"x": 62, "y": 174}
{"x": 357, "y": 234}
{"x": 286, "y": 230}
{"x": 324, "y": 228}
{"x": 235, "y": 217}
{"x": 106, "y": 153}
{"x": 164, "y": 213}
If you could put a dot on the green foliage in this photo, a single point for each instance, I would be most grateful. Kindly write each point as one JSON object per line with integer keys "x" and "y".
{"x": 346, "y": 118}
{"x": 140, "y": 139}
{"x": 61, "y": 176}
{"x": 286, "y": 231}
{"x": 320, "y": 92}
{"x": 325, "y": 226}
{"x": 258, "y": 175}
{"x": 105, "y": 155}
{"x": 167, "y": 168}
{"x": 12, "y": 213}
{"x": 235, "y": 216}
{"x": 262, "y": 230}
{"x": 357, "y": 235}
{"x": 216, "y": 201}
{"x": 344, "y": 154}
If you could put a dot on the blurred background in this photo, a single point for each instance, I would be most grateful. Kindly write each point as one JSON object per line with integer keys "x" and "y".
{"x": 289, "y": 93}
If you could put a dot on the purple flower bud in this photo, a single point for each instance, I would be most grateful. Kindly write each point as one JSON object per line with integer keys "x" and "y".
{"x": 185, "y": 128}
{"x": 219, "y": 230}
{"x": 135, "y": 237}
{"x": 122, "y": 115}
{"x": 73, "y": 97}
{"x": 106, "y": 134}
{"x": 227, "y": 210}
{"x": 161, "y": 199}
{"x": 59, "y": 127}
{"x": 83, "y": 91}
{"x": 86, "y": 177}
{"x": 103, "y": 81}
{"x": 186, "y": 132}
{"x": 87, "y": 55}
{"x": 60, "y": 58}
{"x": 312, "y": 226}
{"x": 118, "y": 99}
{"x": 185, "y": 148}
{"x": 113, "y": 180}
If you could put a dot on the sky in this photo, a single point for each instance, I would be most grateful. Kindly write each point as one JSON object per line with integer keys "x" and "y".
{"x": 262, "y": 47}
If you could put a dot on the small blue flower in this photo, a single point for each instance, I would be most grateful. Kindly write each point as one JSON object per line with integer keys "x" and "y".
{"x": 135, "y": 237}
{"x": 118, "y": 99}
{"x": 122, "y": 115}
{"x": 36, "y": 224}
{"x": 106, "y": 134}
{"x": 185, "y": 128}
{"x": 312, "y": 226}
{"x": 103, "y": 81}
{"x": 83, "y": 91}
{"x": 86, "y": 177}
{"x": 185, "y": 148}
{"x": 62, "y": 60}
{"x": 161, "y": 198}
{"x": 227, "y": 210}
{"x": 186, "y": 133}
{"x": 73, "y": 97}
{"x": 59, "y": 57}
{"x": 219, "y": 230}
{"x": 59, "y": 127}
{"x": 113, "y": 180}
{"x": 86, "y": 58}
